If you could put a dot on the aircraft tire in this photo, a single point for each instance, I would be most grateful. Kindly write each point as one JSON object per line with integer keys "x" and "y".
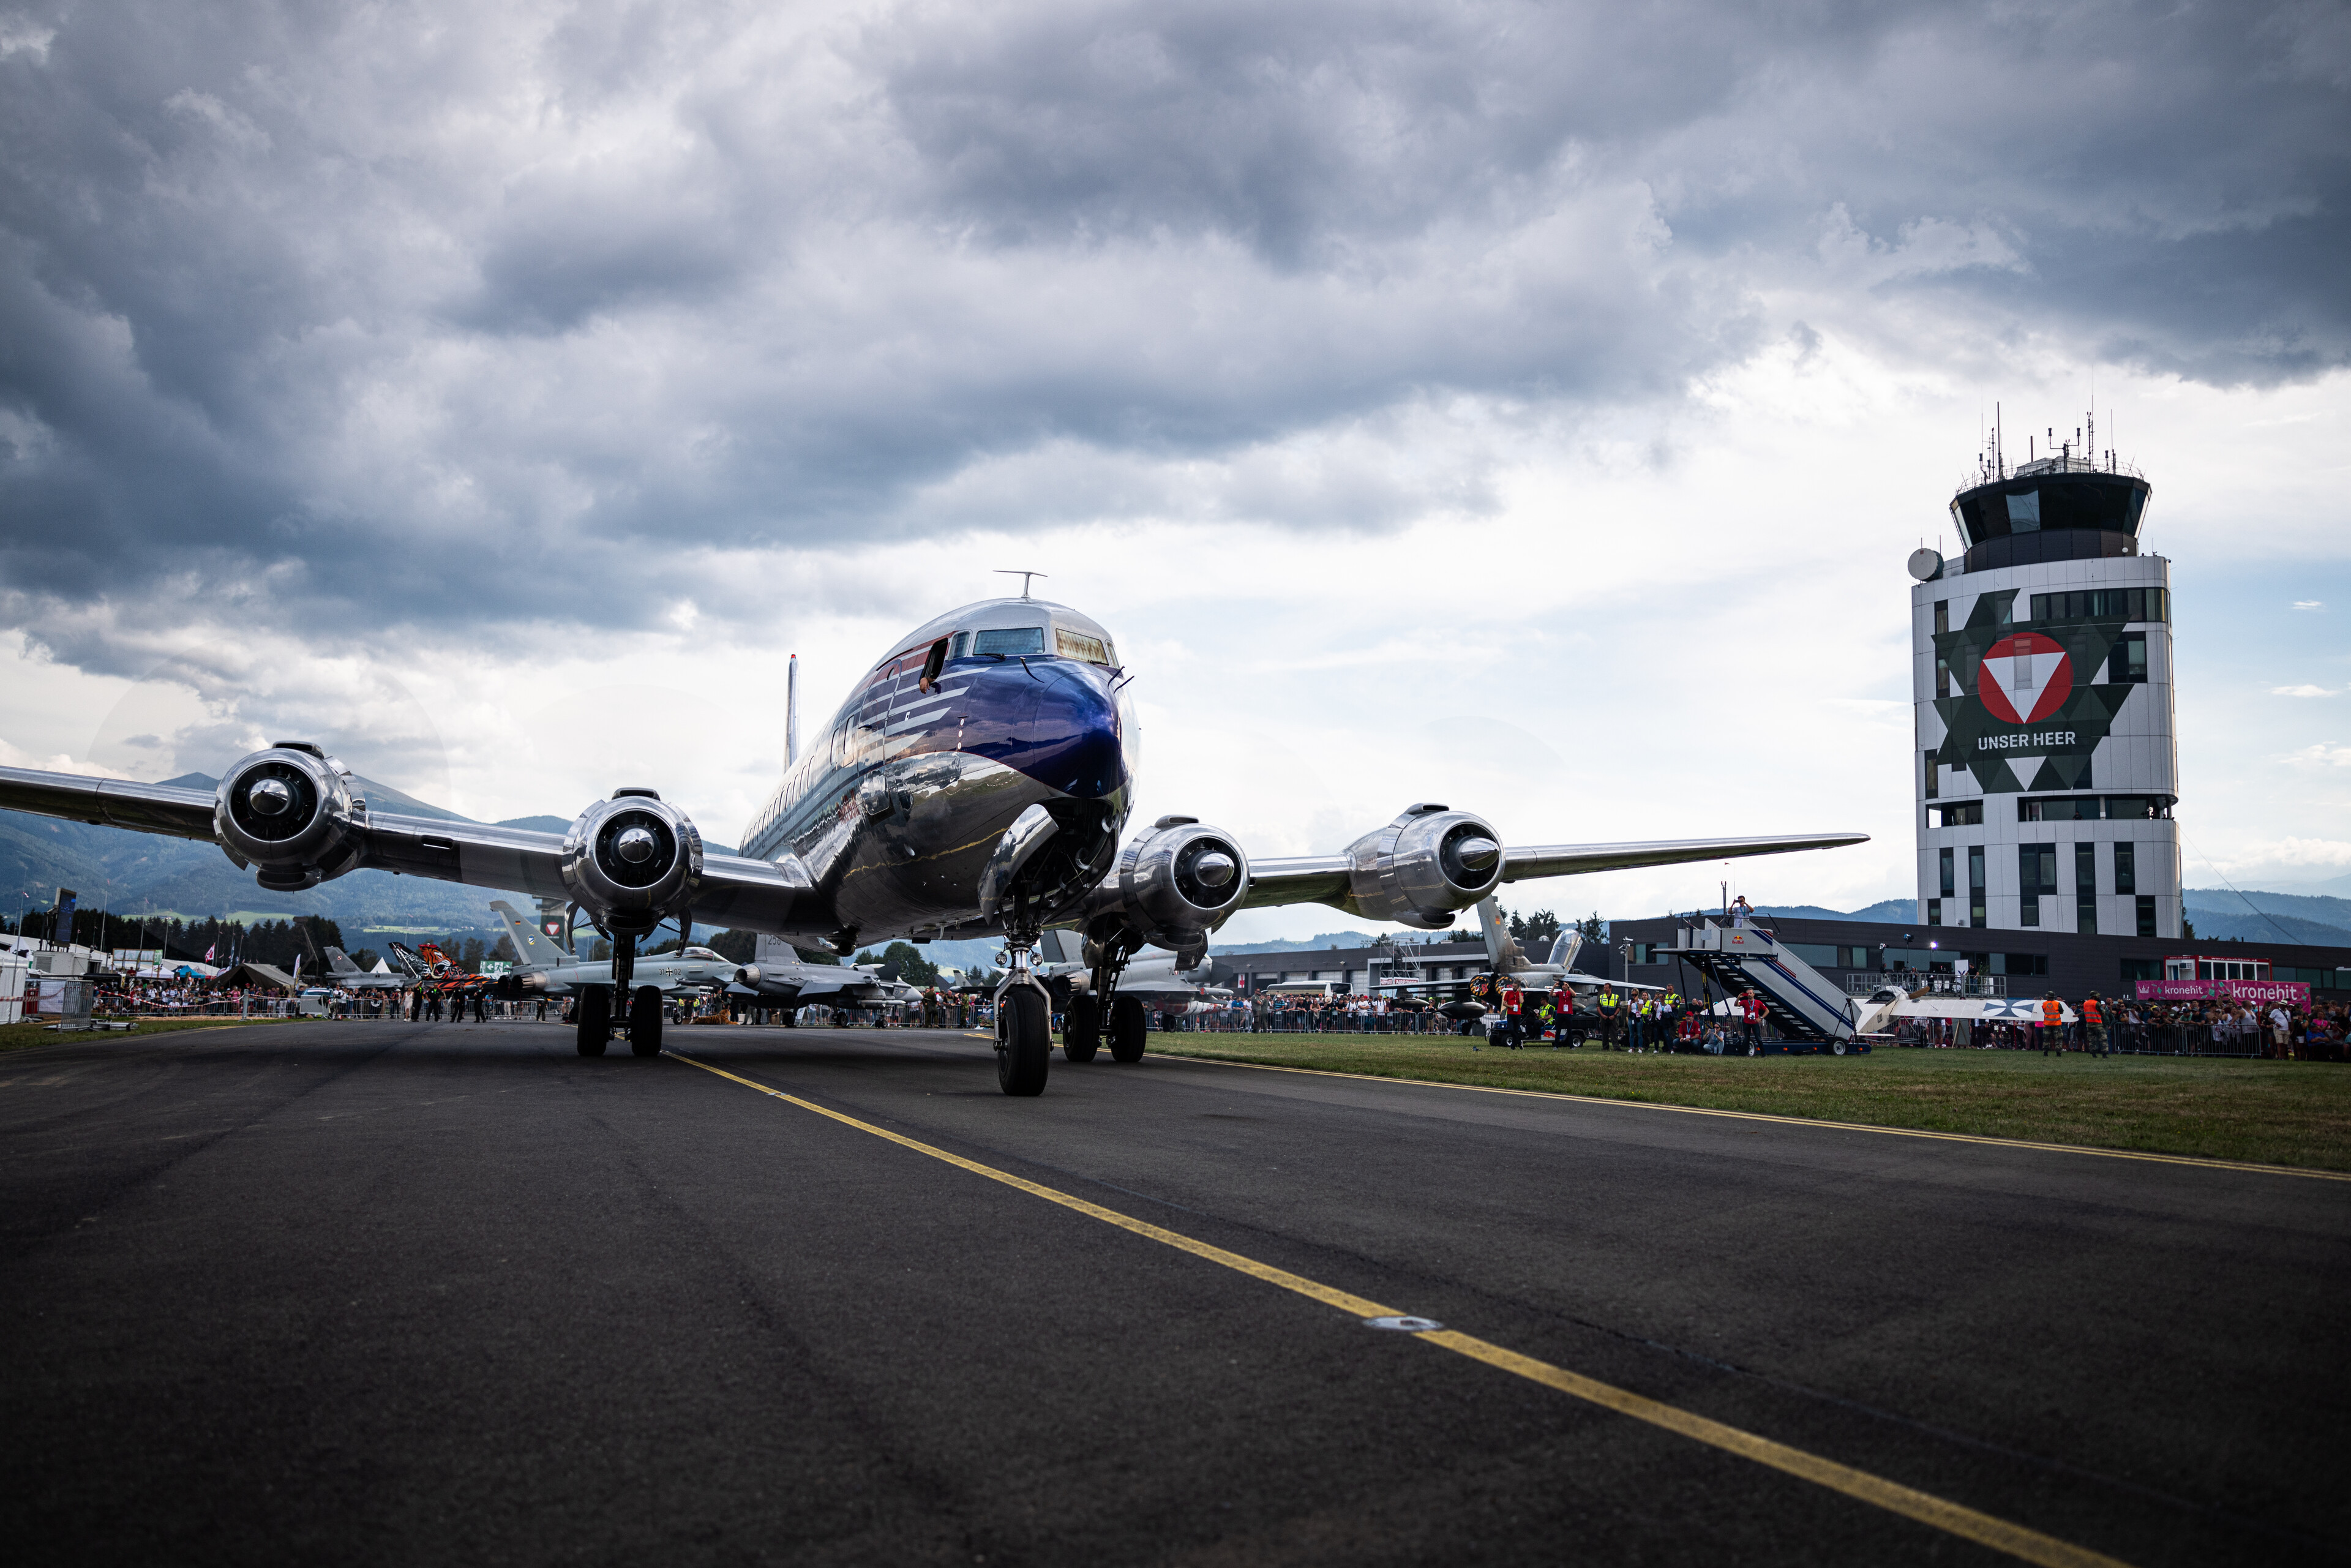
{"x": 1024, "y": 1042}
{"x": 646, "y": 1021}
{"x": 594, "y": 1014}
{"x": 1129, "y": 1028}
{"x": 1082, "y": 1031}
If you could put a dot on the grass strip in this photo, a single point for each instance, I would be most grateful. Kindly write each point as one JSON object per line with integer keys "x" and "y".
{"x": 2267, "y": 1112}
{"x": 18, "y": 1036}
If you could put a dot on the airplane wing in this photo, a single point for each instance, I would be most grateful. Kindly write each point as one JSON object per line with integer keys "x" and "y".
{"x": 327, "y": 842}
{"x": 1328, "y": 879}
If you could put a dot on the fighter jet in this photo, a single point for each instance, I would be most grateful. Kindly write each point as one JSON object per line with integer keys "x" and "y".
{"x": 978, "y": 781}
{"x": 348, "y": 976}
{"x": 780, "y": 976}
{"x": 541, "y": 966}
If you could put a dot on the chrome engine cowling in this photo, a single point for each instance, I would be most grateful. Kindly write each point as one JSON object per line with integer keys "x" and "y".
{"x": 292, "y": 814}
{"x": 631, "y": 860}
{"x": 1420, "y": 868}
{"x": 1171, "y": 887}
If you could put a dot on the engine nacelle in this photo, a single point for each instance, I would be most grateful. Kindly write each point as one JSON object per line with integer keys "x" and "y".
{"x": 1423, "y": 866}
{"x": 631, "y": 860}
{"x": 291, "y": 814}
{"x": 1171, "y": 887}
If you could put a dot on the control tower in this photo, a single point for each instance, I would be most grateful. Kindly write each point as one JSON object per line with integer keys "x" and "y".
{"x": 2041, "y": 672}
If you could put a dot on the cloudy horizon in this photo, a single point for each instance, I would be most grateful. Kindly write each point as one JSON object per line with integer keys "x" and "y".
{"x": 1523, "y": 406}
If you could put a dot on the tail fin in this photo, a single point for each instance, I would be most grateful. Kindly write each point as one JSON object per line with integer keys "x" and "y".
{"x": 1503, "y": 950}
{"x": 791, "y": 712}
{"x": 340, "y": 962}
{"x": 531, "y": 944}
{"x": 410, "y": 959}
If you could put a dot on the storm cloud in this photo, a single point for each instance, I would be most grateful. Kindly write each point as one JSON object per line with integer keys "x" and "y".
{"x": 402, "y": 319}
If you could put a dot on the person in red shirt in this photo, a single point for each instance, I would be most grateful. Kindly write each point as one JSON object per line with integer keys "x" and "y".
{"x": 1514, "y": 1004}
{"x": 1750, "y": 1008}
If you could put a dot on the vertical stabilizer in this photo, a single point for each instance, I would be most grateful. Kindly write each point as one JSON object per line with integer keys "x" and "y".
{"x": 792, "y": 712}
{"x": 1502, "y": 951}
{"x": 339, "y": 962}
{"x": 531, "y": 945}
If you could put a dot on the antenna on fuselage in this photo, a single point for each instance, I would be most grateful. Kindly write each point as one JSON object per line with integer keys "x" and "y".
{"x": 792, "y": 712}
{"x": 1022, "y": 573}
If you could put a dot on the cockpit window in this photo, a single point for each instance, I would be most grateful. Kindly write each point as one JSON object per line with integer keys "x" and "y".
{"x": 1078, "y": 645}
{"x": 958, "y": 644}
{"x": 1010, "y": 641}
{"x": 702, "y": 953}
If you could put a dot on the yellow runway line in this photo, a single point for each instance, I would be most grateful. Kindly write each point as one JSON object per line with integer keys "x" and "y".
{"x": 2242, "y": 1167}
{"x": 1968, "y": 1524}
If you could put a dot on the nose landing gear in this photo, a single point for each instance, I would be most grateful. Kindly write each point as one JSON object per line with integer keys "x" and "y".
{"x": 1024, "y": 1016}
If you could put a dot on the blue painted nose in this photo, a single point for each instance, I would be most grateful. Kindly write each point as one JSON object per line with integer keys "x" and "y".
{"x": 1056, "y": 721}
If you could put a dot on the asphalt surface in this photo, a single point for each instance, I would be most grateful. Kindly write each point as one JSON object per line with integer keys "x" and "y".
{"x": 447, "y": 1293}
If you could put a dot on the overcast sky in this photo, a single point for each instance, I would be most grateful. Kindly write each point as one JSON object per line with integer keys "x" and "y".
{"x": 1525, "y": 407}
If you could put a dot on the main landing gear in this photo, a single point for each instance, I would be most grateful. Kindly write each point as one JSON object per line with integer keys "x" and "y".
{"x": 594, "y": 1014}
{"x": 1092, "y": 1013}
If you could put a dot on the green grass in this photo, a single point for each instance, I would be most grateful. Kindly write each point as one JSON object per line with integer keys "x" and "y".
{"x": 2271, "y": 1113}
{"x": 17, "y": 1036}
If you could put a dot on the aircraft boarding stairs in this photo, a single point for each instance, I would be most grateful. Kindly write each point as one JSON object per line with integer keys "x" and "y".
{"x": 1804, "y": 1003}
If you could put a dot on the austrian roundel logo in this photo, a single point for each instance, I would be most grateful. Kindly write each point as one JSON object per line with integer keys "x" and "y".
{"x": 2024, "y": 678}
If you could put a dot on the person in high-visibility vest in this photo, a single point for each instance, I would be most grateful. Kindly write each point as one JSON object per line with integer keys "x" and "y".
{"x": 1608, "y": 1009}
{"x": 2093, "y": 1025}
{"x": 2053, "y": 1018}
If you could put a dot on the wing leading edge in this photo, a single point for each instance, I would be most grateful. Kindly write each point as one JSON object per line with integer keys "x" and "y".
{"x": 733, "y": 890}
{"x": 1325, "y": 878}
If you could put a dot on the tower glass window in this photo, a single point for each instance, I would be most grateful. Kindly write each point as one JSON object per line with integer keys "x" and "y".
{"x": 1934, "y": 778}
{"x": 2036, "y": 877}
{"x": 2085, "y": 889}
{"x": 1945, "y": 869}
{"x": 2145, "y": 915}
{"x": 1977, "y": 915}
{"x": 2126, "y": 867}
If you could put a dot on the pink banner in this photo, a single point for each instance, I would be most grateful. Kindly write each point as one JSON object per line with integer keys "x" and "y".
{"x": 2291, "y": 992}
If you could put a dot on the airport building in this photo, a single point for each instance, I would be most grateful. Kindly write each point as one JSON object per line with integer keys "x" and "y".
{"x": 2046, "y": 764}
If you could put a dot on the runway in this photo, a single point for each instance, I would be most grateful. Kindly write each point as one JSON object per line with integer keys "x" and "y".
{"x": 397, "y": 1293}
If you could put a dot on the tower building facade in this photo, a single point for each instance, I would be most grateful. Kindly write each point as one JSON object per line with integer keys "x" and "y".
{"x": 2047, "y": 768}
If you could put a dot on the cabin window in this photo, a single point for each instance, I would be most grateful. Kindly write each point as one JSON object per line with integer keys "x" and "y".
{"x": 1010, "y": 642}
{"x": 1078, "y": 645}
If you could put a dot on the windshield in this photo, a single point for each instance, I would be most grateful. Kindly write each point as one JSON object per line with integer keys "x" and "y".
{"x": 1009, "y": 641}
{"x": 704, "y": 953}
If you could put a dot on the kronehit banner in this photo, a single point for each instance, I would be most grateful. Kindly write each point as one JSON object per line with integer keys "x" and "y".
{"x": 2294, "y": 993}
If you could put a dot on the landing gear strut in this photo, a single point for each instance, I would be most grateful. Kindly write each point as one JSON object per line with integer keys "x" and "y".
{"x": 1128, "y": 1023}
{"x": 1024, "y": 1018}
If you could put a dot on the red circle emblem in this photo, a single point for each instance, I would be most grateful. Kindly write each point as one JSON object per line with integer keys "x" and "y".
{"x": 2024, "y": 678}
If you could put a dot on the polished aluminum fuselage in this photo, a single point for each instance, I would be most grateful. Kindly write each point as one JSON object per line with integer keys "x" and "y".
{"x": 898, "y": 802}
